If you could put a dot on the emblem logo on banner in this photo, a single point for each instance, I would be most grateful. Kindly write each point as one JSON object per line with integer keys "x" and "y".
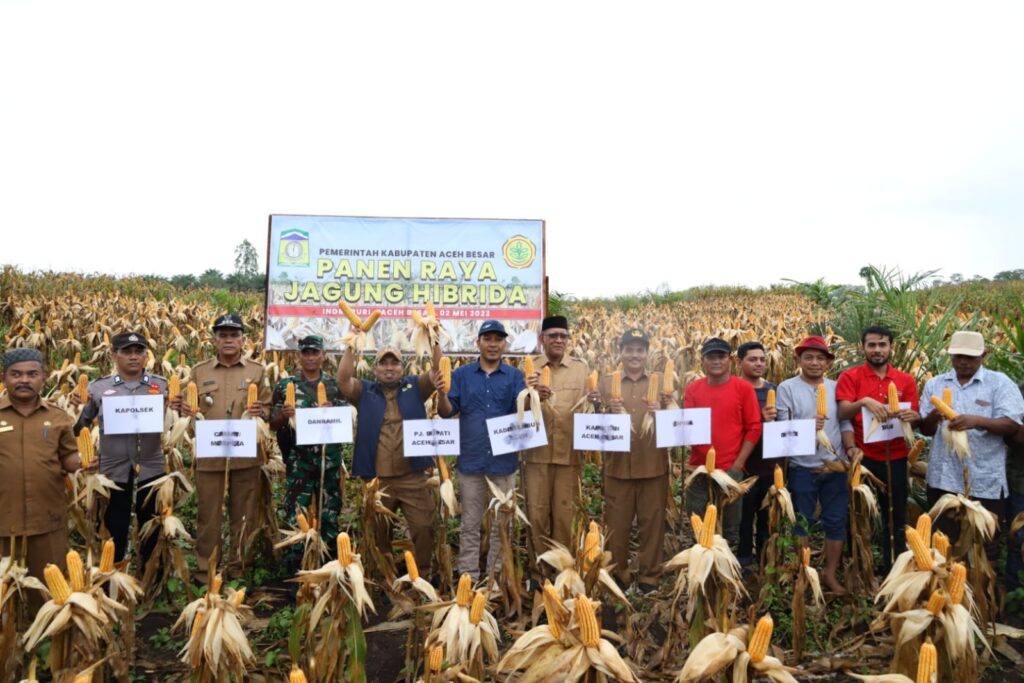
{"x": 294, "y": 248}
{"x": 519, "y": 251}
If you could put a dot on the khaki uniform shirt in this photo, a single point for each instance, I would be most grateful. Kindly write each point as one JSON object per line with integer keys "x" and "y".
{"x": 390, "y": 460}
{"x": 32, "y": 497}
{"x": 119, "y": 453}
{"x": 644, "y": 459}
{"x": 223, "y": 392}
{"x": 568, "y": 386}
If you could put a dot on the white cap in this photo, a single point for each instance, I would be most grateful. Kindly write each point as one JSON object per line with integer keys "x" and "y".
{"x": 964, "y": 343}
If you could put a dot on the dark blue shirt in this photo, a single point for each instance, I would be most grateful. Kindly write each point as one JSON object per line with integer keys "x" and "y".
{"x": 477, "y": 396}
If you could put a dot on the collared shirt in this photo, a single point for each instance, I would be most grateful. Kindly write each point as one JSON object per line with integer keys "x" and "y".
{"x": 756, "y": 464}
{"x": 119, "y": 453}
{"x": 798, "y": 400}
{"x": 860, "y": 382}
{"x": 476, "y": 396}
{"x": 988, "y": 394}
{"x": 223, "y": 393}
{"x": 305, "y": 397}
{"x": 735, "y": 418}
{"x": 568, "y": 387}
{"x": 32, "y": 448}
{"x": 645, "y": 459}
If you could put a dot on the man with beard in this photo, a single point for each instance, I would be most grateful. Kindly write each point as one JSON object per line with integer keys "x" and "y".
{"x": 753, "y": 363}
{"x": 867, "y": 386}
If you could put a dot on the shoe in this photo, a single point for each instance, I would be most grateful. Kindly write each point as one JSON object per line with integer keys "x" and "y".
{"x": 532, "y": 585}
{"x": 646, "y": 588}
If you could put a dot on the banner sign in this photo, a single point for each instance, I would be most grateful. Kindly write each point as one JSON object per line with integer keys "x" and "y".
{"x": 142, "y": 414}
{"x": 225, "y": 438}
{"x": 682, "y": 427}
{"x": 430, "y": 437}
{"x": 471, "y": 270}
{"x": 604, "y": 432}
{"x": 315, "y": 426}
{"x": 789, "y": 438}
{"x": 887, "y": 431}
{"x": 509, "y": 437}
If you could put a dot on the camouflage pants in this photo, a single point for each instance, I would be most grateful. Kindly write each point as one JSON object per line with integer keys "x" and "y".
{"x": 302, "y": 489}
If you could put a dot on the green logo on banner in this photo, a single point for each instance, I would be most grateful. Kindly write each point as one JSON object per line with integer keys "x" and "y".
{"x": 519, "y": 252}
{"x": 293, "y": 249}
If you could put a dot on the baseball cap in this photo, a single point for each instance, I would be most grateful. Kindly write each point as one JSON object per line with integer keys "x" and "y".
{"x": 311, "y": 341}
{"x": 715, "y": 345}
{"x": 634, "y": 334}
{"x": 814, "y": 343}
{"x": 229, "y": 321}
{"x": 388, "y": 351}
{"x": 965, "y": 343}
{"x": 491, "y": 326}
{"x": 126, "y": 339}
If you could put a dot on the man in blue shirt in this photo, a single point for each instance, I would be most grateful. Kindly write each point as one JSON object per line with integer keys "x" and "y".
{"x": 480, "y": 390}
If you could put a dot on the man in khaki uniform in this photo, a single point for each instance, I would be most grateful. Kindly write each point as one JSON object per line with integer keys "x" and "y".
{"x": 551, "y": 473}
{"x": 37, "y": 446}
{"x": 635, "y": 483}
{"x": 223, "y": 385}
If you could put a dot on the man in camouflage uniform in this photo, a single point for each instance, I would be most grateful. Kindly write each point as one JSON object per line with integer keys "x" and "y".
{"x": 303, "y": 462}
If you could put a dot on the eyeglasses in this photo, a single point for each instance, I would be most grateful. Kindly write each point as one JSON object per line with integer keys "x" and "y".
{"x": 557, "y": 336}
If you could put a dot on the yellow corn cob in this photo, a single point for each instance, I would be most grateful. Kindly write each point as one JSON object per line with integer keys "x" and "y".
{"x": 65, "y": 364}
{"x": 107, "y": 556}
{"x": 805, "y": 556}
{"x": 216, "y": 585}
{"x": 370, "y": 321}
{"x": 435, "y": 659}
{"x": 856, "y": 478}
{"x": 84, "y": 677}
{"x": 476, "y": 611}
{"x": 940, "y": 542}
{"x": 707, "y": 529}
{"x": 668, "y": 384}
{"x": 416, "y": 317}
{"x": 947, "y": 396}
{"x": 192, "y": 397}
{"x": 445, "y": 366}
{"x": 344, "y": 549}
{"x": 410, "y": 566}
{"x": 653, "y": 384}
{"x": 297, "y": 676}
{"x": 894, "y": 398}
{"x": 922, "y": 555}
{"x": 924, "y": 527}
{"x": 464, "y": 593}
{"x": 528, "y": 366}
{"x": 780, "y": 481}
{"x": 758, "y": 647}
{"x": 302, "y": 522}
{"x": 353, "y": 319}
{"x": 431, "y": 313}
{"x": 59, "y": 588}
{"x": 915, "y": 451}
{"x": 253, "y": 395}
{"x": 321, "y": 394}
{"x": 289, "y": 394}
{"x": 592, "y": 544}
{"x": 552, "y": 602}
{"x": 173, "y": 387}
{"x": 822, "y": 401}
{"x": 769, "y": 401}
{"x": 615, "y": 391}
{"x": 83, "y": 388}
{"x": 957, "y": 582}
{"x": 710, "y": 460}
{"x": 926, "y": 663}
{"x": 943, "y": 408}
{"x": 590, "y": 630}
{"x": 442, "y": 467}
{"x": 85, "y": 450}
{"x": 697, "y": 523}
{"x": 936, "y": 601}
{"x": 239, "y": 596}
{"x": 197, "y": 622}
{"x": 76, "y": 570}
{"x": 592, "y": 381}
{"x": 545, "y": 376}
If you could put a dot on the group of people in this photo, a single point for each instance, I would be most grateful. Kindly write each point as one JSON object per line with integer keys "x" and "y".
{"x": 37, "y": 445}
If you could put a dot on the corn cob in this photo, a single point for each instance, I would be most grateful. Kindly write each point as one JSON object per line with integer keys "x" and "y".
{"x": 78, "y": 358}
{"x": 707, "y": 529}
{"x": 822, "y": 401}
{"x": 435, "y": 659}
{"x": 59, "y": 588}
{"x": 922, "y": 555}
{"x": 856, "y": 478}
{"x": 770, "y": 401}
{"x": 926, "y": 663}
{"x": 65, "y": 364}
{"x": 476, "y": 611}
{"x": 289, "y": 394}
{"x": 936, "y": 601}
{"x": 545, "y": 376}
{"x": 85, "y": 450}
{"x": 84, "y": 677}
{"x": 216, "y": 585}
{"x": 76, "y": 570}
{"x": 947, "y": 396}
{"x": 552, "y": 603}
{"x": 239, "y": 596}
{"x": 758, "y": 647}
{"x": 253, "y": 395}
{"x": 297, "y": 676}
{"x": 592, "y": 543}
{"x": 417, "y": 318}
{"x": 344, "y": 549}
{"x": 780, "y": 481}
{"x": 442, "y": 467}
{"x": 943, "y": 408}
{"x": 410, "y": 566}
{"x": 710, "y": 460}
{"x": 592, "y": 381}
{"x": 302, "y": 522}
{"x": 173, "y": 387}
{"x": 615, "y": 392}
{"x": 894, "y": 398}
{"x": 957, "y": 582}
{"x": 107, "y": 556}
{"x": 590, "y": 630}
{"x": 431, "y": 313}
{"x": 321, "y": 394}
{"x": 192, "y": 397}
{"x": 445, "y": 366}
{"x": 653, "y": 385}
{"x": 940, "y": 542}
{"x": 805, "y": 556}
{"x": 697, "y": 523}
{"x": 528, "y": 366}
{"x": 924, "y": 527}
{"x": 353, "y": 319}
{"x": 370, "y": 321}
{"x": 915, "y": 451}
{"x": 464, "y": 593}
{"x": 83, "y": 388}
{"x": 668, "y": 383}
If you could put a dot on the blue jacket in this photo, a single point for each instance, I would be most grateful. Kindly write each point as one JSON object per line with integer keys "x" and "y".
{"x": 477, "y": 396}
{"x": 371, "y": 416}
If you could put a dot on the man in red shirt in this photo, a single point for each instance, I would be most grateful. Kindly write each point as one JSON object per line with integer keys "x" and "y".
{"x": 735, "y": 428}
{"x": 867, "y": 387}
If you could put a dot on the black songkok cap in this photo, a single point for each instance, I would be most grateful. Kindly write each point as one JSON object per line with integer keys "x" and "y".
{"x": 558, "y": 321}
{"x": 21, "y": 355}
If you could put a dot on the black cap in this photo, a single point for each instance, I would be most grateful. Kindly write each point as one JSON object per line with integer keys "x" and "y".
{"x": 22, "y": 355}
{"x": 126, "y": 339}
{"x": 229, "y": 321}
{"x": 557, "y": 321}
{"x": 491, "y": 326}
{"x": 715, "y": 345}
{"x": 634, "y": 334}
{"x": 311, "y": 341}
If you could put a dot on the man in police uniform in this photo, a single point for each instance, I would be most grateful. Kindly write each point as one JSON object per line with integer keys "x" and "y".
{"x": 126, "y": 458}
{"x": 303, "y": 462}
{"x": 37, "y": 446}
{"x": 223, "y": 384}
{"x": 551, "y": 473}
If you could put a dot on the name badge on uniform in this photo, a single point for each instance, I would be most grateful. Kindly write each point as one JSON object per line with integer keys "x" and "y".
{"x": 6, "y": 427}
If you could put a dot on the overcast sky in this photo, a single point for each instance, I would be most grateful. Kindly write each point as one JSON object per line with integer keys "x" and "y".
{"x": 671, "y": 143}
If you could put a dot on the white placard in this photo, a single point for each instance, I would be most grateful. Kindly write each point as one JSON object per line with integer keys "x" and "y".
{"x": 509, "y": 437}
{"x": 683, "y": 427}
{"x": 142, "y": 414}
{"x": 225, "y": 438}
{"x": 430, "y": 437}
{"x": 604, "y": 432}
{"x": 788, "y": 438}
{"x": 315, "y": 426}
{"x": 886, "y": 431}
